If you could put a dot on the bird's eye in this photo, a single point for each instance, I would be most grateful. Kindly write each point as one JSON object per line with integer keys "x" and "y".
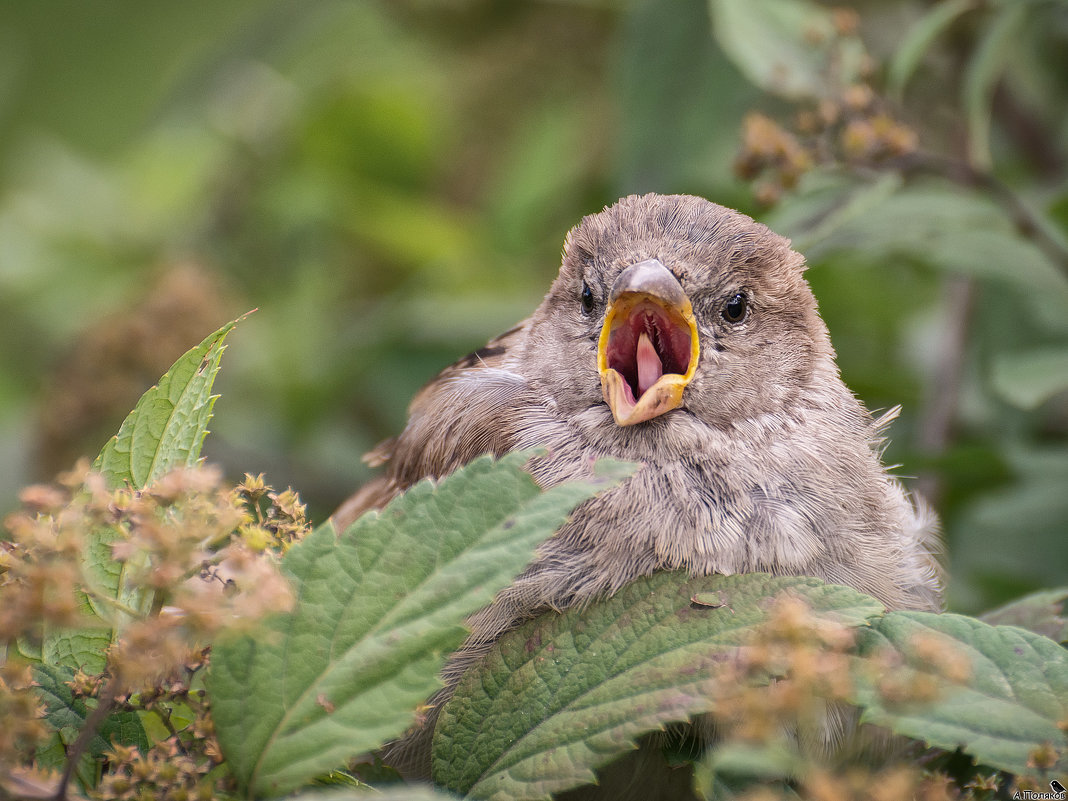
{"x": 736, "y": 309}
{"x": 587, "y": 298}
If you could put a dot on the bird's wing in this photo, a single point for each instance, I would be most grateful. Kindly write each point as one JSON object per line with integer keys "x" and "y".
{"x": 497, "y": 354}
{"x": 468, "y": 409}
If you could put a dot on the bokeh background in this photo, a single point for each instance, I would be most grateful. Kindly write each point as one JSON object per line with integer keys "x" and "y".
{"x": 389, "y": 183}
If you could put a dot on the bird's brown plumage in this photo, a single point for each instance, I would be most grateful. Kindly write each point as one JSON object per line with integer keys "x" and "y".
{"x": 769, "y": 464}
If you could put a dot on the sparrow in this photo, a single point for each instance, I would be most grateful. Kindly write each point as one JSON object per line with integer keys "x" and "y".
{"x": 681, "y": 335}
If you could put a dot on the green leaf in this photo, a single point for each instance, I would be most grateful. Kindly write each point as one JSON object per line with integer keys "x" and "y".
{"x": 164, "y": 431}
{"x": 786, "y": 47}
{"x": 830, "y": 201}
{"x": 1011, "y": 704}
{"x": 379, "y": 608}
{"x": 1041, "y": 612}
{"x": 167, "y": 426}
{"x": 565, "y": 694}
{"x": 1014, "y": 534}
{"x": 83, "y": 649}
{"x": 947, "y": 228}
{"x": 919, "y": 38}
{"x": 395, "y": 793}
{"x": 773, "y": 760}
{"x": 1027, "y": 380}
{"x": 65, "y": 715}
{"x": 981, "y": 77}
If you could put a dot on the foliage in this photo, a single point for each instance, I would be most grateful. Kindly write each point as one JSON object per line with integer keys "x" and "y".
{"x": 308, "y": 673}
{"x": 390, "y": 183}
{"x": 113, "y": 589}
{"x": 402, "y": 174}
{"x": 565, "y": 695}
{"x": 167, "y": 427}
{"x": 1012, "y": 687}
{"x": 163, "y": 432}
{"x": 381, "y": 607}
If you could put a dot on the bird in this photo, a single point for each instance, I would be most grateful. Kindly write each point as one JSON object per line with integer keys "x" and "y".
{"x": 681, "y": 335}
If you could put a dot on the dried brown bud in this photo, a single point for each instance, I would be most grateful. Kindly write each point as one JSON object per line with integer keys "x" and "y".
{"x": 846, "y": 20}
{"x": 1044, "y": 757}
{"x": 937, "y": 787}
{"x": 984, "y": 784}
{"x": 42, "y": 498}
{"x": 858, "y": 97}
{"x": 253, "y": 488}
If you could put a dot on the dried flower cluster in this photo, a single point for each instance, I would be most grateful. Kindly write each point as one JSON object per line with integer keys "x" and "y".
{"x": 856, "y": 128}
{"x": 184, "y": 765}
{"x": 851, "y": 124}
{"x": 809, "y": 663}
{"x": 21, "y": 712}
{"x": 771, "y": 153}
{"x": 162, "y": 571}
{"x": 277, "y": 522}
{"x": 44, "y": 557}
{"x": 812, "y": 667}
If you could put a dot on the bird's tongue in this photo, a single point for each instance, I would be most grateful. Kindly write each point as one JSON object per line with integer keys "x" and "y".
{"x": 650, "y": 368}
{"x": 648, "y": 348}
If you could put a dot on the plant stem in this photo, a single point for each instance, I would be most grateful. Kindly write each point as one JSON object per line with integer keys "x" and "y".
{"x": 105, "y": 701}
{"x": 114, "y": 603}
{"x": 169, "y": 726}
{"x": 159, "y": 597}
{"x": 940, "y": 408}
{"x": 1028, "y": 223}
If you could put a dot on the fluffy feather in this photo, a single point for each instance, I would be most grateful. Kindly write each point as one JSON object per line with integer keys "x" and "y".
{"x": 770, "y": 463}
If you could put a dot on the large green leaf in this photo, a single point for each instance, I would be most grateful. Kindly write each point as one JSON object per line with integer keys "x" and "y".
{"x": 1029, "y": 379}
{"x": 167, "y": 426}
{"x": 787, "y": 47}
{"x": 566, "y": 694}
{"x": 164, "y": 431}
{"x": 918, "y": 39}
{"x": 65, "y": 717}
{"x": 945, "y": 227}
{"x": 981, "y": 76}
{"x": 378, "y": 610}
{"x": 1011, "y": 704}
{"x": 1044, "y": 613}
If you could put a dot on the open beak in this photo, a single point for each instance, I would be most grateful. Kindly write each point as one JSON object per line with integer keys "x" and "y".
{"x": 648, "y": 349}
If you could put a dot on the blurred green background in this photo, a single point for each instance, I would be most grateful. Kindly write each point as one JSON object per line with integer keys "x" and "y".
{"x": 389, "y": 183}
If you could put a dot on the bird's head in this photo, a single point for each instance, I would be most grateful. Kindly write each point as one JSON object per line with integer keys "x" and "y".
{"x": 672, "y": 306}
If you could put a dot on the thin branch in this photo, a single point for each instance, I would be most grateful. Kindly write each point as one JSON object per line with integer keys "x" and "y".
{"x": 937, "y": 420}
{"x": 105, "y": 701}
{"x": 939, "y": 411}
{"x": 114, "y": 603}
{"x": 1028, "y": 223}
{"x": 159, "y": 709}
{"x": 159, "y": 599}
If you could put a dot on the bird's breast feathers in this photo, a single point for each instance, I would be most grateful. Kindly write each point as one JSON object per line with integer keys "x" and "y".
{"x": 680, "y": 335}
